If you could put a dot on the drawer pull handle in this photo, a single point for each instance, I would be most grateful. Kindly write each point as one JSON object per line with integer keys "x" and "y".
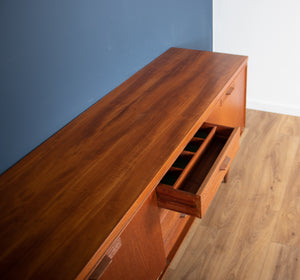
{"x": 107, "y": 259}
{"x": 224, "y": 165}
{"x": 103, "y": 265}
{"x": 229, "y": 91}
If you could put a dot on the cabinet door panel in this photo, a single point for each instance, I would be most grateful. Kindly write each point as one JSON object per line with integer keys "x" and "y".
{"x": 139, "y": 251}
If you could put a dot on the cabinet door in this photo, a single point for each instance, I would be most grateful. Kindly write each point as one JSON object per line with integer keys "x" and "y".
{"x": 231, "y": 109}
{"x": 138, "y": 253}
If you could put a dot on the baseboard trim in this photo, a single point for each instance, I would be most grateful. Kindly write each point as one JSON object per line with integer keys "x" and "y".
{"x": 273, "y": 107}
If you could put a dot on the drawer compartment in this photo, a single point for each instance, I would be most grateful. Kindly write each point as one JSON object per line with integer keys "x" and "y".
{"x": 191, "y": 183}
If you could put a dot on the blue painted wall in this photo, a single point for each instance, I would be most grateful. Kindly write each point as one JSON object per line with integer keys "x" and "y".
{"x": 59, "y": 57}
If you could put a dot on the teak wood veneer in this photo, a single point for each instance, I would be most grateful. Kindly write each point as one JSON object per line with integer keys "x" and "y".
{"x": 113, "y": 193}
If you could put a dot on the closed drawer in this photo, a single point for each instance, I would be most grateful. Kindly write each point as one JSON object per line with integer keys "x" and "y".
{"x": 191, "y": 183}
{"x": 174, "y": 227}
{"x": 230, "y": 110}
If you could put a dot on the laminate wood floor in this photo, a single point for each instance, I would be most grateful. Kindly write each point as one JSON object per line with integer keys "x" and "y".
{"x": 252, "y": 228}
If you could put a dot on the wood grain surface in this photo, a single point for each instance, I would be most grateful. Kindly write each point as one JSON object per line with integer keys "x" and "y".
{"x": 65, "y": 202}
{"x": 251, "y": 230}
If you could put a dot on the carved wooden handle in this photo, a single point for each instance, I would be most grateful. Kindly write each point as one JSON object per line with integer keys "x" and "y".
{"x": 107, "y": 259}
{"x": 229, "y": 91}
{"x": 224, "y": 165}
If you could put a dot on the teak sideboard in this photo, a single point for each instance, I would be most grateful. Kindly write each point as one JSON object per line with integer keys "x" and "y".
{"x": 113, "y": 193}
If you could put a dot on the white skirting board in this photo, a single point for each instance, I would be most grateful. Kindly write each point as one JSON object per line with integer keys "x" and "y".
{"x": 273, "y": 107}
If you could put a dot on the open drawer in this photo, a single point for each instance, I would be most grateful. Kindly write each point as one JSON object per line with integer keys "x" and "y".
{"x": 194, "y": 178}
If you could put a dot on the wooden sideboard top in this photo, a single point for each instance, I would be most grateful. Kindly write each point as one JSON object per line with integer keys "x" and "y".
{"x": 67, "y": 200}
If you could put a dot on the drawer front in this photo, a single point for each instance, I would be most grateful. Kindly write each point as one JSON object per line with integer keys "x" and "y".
{"x": 230, "y": 110}
{"x": 167, "y": 220}
{"x": 214, "y": 178}
{"x": 174, "y": 226}
{"x": 197, "y": 187}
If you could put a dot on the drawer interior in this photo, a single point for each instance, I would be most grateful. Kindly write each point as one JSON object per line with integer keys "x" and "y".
{"x": 198, "y": 157}
{"x": 204, "y": 164}
{"x": 185, "y": 162}
{"x": 200, "y": 161}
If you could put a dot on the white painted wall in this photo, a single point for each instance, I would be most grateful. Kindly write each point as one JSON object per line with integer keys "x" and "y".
{"x": 268, "y": 31}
